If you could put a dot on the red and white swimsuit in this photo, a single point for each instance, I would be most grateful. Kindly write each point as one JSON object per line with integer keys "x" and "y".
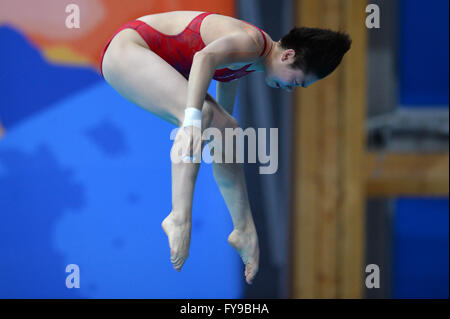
{"x": 178, "y": 50}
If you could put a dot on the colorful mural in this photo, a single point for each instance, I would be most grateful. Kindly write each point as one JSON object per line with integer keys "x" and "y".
{"x": 45, "y": 61}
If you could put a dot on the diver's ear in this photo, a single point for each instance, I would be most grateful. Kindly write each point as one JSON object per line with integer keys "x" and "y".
{"x": 287, "y": 54}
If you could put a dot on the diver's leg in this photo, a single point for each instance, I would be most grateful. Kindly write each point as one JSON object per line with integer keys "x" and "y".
{"x": 145, "y": 79}
{"x": 231, "y": 181}
{"x": 136, "y": 73}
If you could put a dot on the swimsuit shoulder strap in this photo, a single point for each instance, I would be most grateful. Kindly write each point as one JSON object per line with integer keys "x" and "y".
{"x": 264, "y": 37}
{"x": 195, "y": 24}
{"x": 265, "y": 42}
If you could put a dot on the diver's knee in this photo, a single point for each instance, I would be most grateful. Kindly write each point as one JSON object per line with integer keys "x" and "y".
{"x": 232, "y": 123}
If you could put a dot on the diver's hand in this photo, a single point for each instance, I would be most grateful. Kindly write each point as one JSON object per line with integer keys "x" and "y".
{"x": 188, "y": 141}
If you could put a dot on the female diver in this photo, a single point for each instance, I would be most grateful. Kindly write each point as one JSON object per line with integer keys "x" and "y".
{"x": 164, "y": 63}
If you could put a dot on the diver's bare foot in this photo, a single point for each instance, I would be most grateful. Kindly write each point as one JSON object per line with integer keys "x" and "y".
{"x": 179, "y": 235}
{"x": 246, "y": 244}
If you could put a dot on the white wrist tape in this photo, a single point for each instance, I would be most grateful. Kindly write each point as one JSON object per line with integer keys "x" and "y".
{"x": 192, "y": 117}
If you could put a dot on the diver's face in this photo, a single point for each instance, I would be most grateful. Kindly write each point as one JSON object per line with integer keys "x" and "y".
{"x": 281, "y": 75}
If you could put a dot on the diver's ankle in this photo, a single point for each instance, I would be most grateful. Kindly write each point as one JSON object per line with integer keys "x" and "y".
{"x": 180, "y": 218}
{"x": 246, "y": 226}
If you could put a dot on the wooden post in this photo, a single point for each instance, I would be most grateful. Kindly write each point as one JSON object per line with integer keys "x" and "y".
{"x": 328, "y": 187}
{"x": 352, "y": 210}
{"x": 395, "y": 174}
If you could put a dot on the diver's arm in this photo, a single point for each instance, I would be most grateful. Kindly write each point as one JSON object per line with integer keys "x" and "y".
{"x": 234, "y": 48}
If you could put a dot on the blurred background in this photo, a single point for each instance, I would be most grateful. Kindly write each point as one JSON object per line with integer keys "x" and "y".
{"x": 362, "y": 177}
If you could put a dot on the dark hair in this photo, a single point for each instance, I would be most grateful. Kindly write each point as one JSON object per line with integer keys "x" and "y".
{"x": 318, "y": 51}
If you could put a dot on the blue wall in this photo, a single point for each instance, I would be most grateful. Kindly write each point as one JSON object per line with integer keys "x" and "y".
{"x": 421, "y": 248}
{"x": 423, "y": 57}
{"x": 421, "y": 232}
